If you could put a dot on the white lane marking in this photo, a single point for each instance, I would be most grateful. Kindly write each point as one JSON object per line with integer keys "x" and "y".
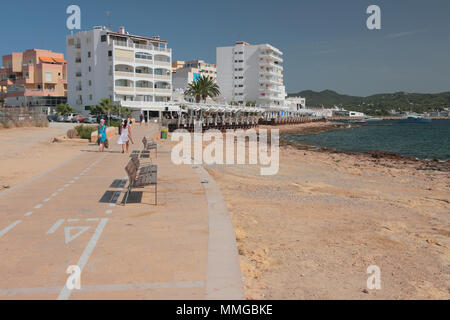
{"x": 29, "y": 213}
{"x": 55, "y": 226}
{"x": 73, "y": 220}
{"x": 108, "y": 211}
{"x": 8, "y": 228}
{"x": 47, "y": 200}
{"x": 112, "y": 205}
{"x": 107, "y": 287}
{"x": 60, "y": 189}
{"x": 92, "y": 219}
{"x": 67, "y": 185}
{"x": 76, "y": 178}
{"x": 69, "y": 237}
{"x": 54, "y": 194}
{"x": 38, "y": 206}
{"x": 65, "y": 292}
{"x": 71, "y": 181}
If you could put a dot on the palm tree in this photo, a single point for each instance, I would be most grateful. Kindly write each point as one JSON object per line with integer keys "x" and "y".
{"x": 203, "y": 88}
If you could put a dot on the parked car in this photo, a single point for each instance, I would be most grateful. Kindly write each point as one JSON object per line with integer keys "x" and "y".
{"x": 52, "y": 117}
{"x": 60, "y": 118}
{"x": 69, "y": 116}
{"x": 78, "y": 118}
{"x": 91, "y": 119}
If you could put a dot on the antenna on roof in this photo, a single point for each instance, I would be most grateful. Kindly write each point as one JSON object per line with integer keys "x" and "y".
{"x": 108, "y": 20}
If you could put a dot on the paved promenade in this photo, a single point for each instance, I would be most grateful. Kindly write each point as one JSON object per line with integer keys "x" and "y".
{"x": 72, "y": 215}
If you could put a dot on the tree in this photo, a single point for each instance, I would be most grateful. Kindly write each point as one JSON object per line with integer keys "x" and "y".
{"x": 64, "y": 108}
{"x": 203, "y": 88}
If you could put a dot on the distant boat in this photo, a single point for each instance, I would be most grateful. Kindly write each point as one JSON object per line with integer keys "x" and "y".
{"x": 414, "y": 119}
{"x": 372, "y": 119}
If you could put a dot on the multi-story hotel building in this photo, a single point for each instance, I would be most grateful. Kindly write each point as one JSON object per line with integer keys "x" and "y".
{"x": 34, "y": 78}
{"x": 187, "y": 72}
{"x": 134, "y": 71}
{"x": 251, "y": 73}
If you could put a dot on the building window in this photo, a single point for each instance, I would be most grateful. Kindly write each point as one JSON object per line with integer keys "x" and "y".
{"x": 90, "y": 83}
{"x": 48, "y": 77}
{"x": 89, "y": 68}
{"x": 143, "y": 55}
{"x": 109, "y": 53}
{"x": 90, "y": 97}
{"x": 89, "y": 54}
{"x": 103, "y": 38}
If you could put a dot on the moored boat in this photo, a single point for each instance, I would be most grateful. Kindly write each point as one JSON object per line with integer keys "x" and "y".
{"x": 414, "y": 119}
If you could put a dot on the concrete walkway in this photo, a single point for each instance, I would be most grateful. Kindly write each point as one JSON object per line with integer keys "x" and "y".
{"x": 137, "y": 251}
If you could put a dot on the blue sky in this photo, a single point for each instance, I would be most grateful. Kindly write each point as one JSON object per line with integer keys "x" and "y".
{"x": 326, "y": 43}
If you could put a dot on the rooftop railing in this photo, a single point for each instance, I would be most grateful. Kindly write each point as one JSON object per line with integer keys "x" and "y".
{"x": 140, "y": 46}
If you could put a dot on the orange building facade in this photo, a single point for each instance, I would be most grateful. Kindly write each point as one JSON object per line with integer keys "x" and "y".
{"x": 33, "y": 78}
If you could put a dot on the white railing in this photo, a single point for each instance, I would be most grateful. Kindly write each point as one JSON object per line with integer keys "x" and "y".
{"x": 140, "y": 46}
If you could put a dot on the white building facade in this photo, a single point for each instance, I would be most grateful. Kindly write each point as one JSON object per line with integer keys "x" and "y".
{"x": 295, "y": 103}
{"x": 251, "y": 73}
{"x": 132, "y": 70}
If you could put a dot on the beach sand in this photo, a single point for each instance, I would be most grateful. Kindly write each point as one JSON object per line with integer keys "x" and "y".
{"x": 29, "y": 151}
{"x": 312, "y": 230}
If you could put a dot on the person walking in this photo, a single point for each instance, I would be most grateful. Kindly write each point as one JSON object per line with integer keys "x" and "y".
{"x": 125, "y": 136}
{"x": 101, "y": 134}
{"x": 141, "y": 117}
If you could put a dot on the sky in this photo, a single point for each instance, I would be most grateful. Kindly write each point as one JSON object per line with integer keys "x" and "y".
{"x": 326, "y": 44}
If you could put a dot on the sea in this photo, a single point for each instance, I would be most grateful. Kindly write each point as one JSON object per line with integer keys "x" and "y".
{"x": 425, "y": 141}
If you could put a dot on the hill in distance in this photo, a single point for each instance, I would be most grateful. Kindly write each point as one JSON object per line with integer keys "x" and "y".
{"x": 378, "y": 104}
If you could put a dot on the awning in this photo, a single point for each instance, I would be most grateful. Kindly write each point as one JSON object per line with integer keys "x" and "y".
{"x": 52, "y": 60}
{"x": 59, "y": 60}
{"x": 46, "y": 59}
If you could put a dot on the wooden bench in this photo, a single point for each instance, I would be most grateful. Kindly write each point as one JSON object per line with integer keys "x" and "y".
{"x": 139, "y": 178}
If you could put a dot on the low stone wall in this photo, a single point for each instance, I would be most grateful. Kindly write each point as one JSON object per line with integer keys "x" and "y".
{"x": 110, "y": 132}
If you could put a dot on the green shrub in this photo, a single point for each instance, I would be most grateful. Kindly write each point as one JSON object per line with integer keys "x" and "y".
{"x": 115, "y": 123}
{"x": 85, "y": 132}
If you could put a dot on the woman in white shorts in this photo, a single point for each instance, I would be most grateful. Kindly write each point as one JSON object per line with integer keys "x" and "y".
{"x": 125, "y": 136}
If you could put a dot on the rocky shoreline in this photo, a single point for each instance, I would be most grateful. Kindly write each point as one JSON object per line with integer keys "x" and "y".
{"x": 388, "y": 159}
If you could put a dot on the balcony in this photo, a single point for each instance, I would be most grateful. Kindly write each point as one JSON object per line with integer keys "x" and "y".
{"x": 265, "y": 63}
{"x": 78, "y": 74}
{"x": 144, "y": 75}
{"x": 144, "y": 61}
{"x": 77, "y": 60}
{"x": 122, "y": 88}
{"x": 123, "y": 74}
{"x": 270, "y": 81}
{"x": 162, "y": 77}
{"x": 162, "y": 63}
{"x": 124, "y": 59}
{"x": 144, "y": 89}
{"x": 163, "y": 91}
{"x": 271, "y": 56}
{"x": 126, "y": 44}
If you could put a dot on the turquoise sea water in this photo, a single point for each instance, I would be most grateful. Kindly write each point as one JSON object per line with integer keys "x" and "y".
{"x": 425, "y": 141}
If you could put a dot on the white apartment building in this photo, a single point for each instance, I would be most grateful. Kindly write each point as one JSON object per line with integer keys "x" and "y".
{"x": 134, "y": 71}
{"x": 251, "y": 73}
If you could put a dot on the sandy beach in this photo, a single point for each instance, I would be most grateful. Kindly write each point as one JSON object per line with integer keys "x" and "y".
{"x": 312, "y": 230}
{"x": 29, "y": 151}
